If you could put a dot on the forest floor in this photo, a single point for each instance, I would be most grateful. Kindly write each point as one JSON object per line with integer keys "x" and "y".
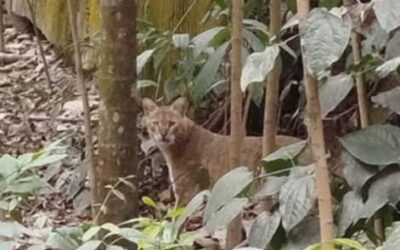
{"x": 35, "y": 112}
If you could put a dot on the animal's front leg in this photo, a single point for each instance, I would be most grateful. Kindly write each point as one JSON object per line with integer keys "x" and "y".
{"x": 185, "y": 188}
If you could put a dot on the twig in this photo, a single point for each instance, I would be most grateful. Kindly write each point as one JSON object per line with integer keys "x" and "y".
{"x": 85, "y": 100}
{"x": 39, "y": 43}
{"x": 184, "y": 17}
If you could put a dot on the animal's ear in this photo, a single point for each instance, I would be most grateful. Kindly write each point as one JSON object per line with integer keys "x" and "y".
{"x": 148, "y": 106}
{"x": 180, "y": 105}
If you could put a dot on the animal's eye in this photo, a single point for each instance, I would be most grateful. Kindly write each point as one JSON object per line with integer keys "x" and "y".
{"x": 171, "y": 123}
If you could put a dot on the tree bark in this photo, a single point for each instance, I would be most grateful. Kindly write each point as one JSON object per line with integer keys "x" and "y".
{"x": 235, "y": 229}
{"x": 315, "y": 128}
{"x": 117, "y": 136}
{"x": 89, "y": 150}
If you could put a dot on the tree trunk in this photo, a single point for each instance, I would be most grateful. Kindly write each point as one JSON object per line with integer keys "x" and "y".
{"x": 2, "y": 45}
{"x": 315, "y": 128}
{"x": 235, "y": 229}
{"x": 117, "y": 136}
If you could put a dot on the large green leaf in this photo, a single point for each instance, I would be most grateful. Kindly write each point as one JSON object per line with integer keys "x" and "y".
{"x": 226, "y": 214}
{"x": 333, "y": 91}
{"x": 289, "y": 152}
{"x": 388, "y": 67}
{"x": 393, "y": 241}
{"x": 355, "y": 172}
{"x": 351, "y": 204}
{"x": 324, "y": 37}
{"x": 375, "y": 145}
{"x": 25, "y": 185}
{"x": 258, "y": 65}
{"x": 60, "y": 239}
{"x": 271, "y": 186}
{"x": 389, "y": 99}
{"x": 388, "y": 14}
{"x": 42, "y": 161}
{"x": 202, "y": 40}
{"x": 255, "y": 43}
{"x": 226, "y": 188}
{"x": 296, "y": 198}
{"x": 263, "y": 229}
{"x": 206, "y": 76}
{"x": 8, "y": 166}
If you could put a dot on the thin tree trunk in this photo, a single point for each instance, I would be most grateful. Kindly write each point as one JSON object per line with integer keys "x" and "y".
{"x": 318, "y": 145}
{"x": 272, "y": 84}
{"x": 117, "y": 136}
{"x": 89, "y": 151}
{"x": 235, "y": 229}
{"x": 2, "y": 45}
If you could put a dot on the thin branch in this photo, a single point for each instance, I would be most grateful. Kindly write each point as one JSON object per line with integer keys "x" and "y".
{"x": 85, "y": 100}
{"x": 39, "y": 43}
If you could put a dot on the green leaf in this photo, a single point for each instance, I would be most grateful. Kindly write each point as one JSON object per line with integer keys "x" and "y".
{"x": 349, "y": 243}
{"x": 111, "y": 227}
{"x": 393, "y": 241}
{"x": 263, "y": 229}
{"x": 351, "y": 204}
{"x": 142, "y": 59}
{"x": 271, "y": 186}
{"x": 119, "y": 194}
{"x": 388, "y": 14}
{"x": 388, "y": 67}
{"x": 296, "y": 198}
{"x": 202, "y": 40}
{"x": 149, "y": 202}
{"x": 254, "y": 24}
{"x": 141, "y": 84}
{"x": 8, "y": 166}
{"x": 355, "y": 172}
{"x": 389, "y": 99}
{"x": 375, "y": 145}
{"x": 258, "y": 65}
{"x": 90, "y": 233}
{"x": 131, "y": 234}
{"x": 333, "y": 91}
{"x": 90, "y": 245}
{"x": 226, "y": 188}
{"x": 25, "y": 185}
{"x": 324, "y": 37}
{"x": 286, "y": 153}
{"x": 207, "y": 74}
{"x": 192, "y": 207}
{"x": 226, "y": 214}
{"x": 255, "y": 43}
{"x": 42, "y": 161}
{"x": 176, "y": 212}
{"x": 181, "y": 40}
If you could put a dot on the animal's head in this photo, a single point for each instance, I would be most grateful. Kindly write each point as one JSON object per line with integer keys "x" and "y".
{"x": 166, "y": 125}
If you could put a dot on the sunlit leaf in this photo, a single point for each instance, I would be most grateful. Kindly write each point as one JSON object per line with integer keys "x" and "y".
{"x": 393, "y": 241}
{"x": 388, "y": 14}
{"x": 90, "y": 233}
{"x": 286, "y": 153}
{"x": 180, "y": 40}
{"x": 142, "y": 59}
{"x": 349, "y": 243}
{"x": 388, "y": 67}
{"x": 258, "y": 65}
{"x": 149, "y": 202}
{"x": 324, "y": 37}
{"x": 202, "y": 40}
